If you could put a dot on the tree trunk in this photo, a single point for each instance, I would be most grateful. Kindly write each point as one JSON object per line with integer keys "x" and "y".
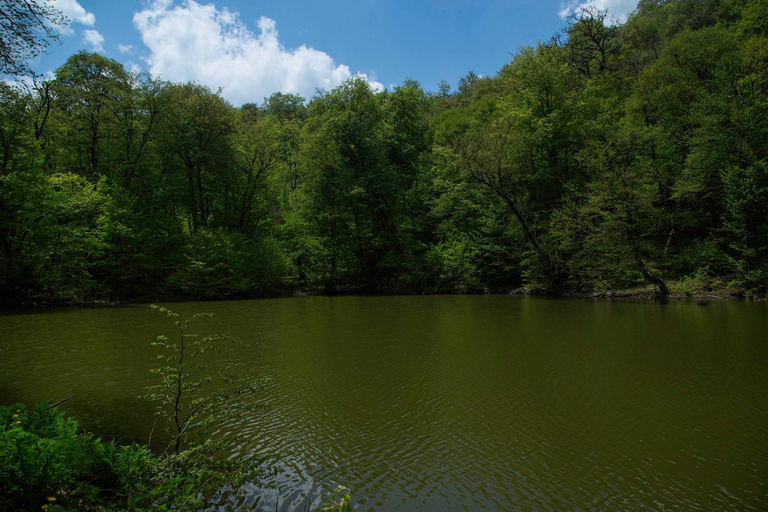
{"x": 201, "y": 198}
{"x": 546, "y": 258}
{"x": 193, "y": 202}
{"x": 655, "y": 280}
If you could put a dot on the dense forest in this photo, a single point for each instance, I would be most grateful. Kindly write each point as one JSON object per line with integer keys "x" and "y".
{"x": 611, "y": 156}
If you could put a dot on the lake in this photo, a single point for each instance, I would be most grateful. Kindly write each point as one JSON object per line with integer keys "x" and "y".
{"x": 448, "y": 402}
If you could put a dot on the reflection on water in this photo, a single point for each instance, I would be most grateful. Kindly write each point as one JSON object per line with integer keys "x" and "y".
{"x": 450, "y": 402}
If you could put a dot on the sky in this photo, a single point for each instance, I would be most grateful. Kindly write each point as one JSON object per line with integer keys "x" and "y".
{"x": 253, "y": 48}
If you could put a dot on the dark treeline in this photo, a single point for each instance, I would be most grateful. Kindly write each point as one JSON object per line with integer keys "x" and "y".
{"x": 609, "y": 157}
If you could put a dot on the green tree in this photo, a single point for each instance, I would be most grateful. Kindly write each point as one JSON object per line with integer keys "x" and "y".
{"x": 592, "y": 40}
{"x": 22, "y": 189}
{"x": 524, "y": 151}
{"x": 285, "y": 106}
{"x": 198, "y": 136}
{"x": 351, "y": 185}
{"x": 91, "y": 92}
{"x": 258, "y": 149}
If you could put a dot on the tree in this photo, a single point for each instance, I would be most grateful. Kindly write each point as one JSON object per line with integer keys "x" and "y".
{"x": 257, "y": 150}
{"x": 180, "y": 396}
{"x": 198, "y": 136}
{"x": 27, "y": 28}
{"x": 592, "y": 40}
{"x": 192, "y": 473}
{"x": 22, "y": 189}
{"x": 285, "y": 106}
{"x": 444, "y": 89}
{"x": 524, "y": 151}
{"x": 469, "y": 235}
{"x": 613, "y": 234}
{"x": 467, "y": 82}
{"x": 351, "y": 185}
{"x": 92, "y": 92}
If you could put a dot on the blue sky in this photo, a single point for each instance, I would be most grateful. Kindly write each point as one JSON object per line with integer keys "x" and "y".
{"x": 254, "y": 48}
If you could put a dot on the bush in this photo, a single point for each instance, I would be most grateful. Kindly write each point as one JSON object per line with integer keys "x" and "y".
{"x": 45, "y": 461}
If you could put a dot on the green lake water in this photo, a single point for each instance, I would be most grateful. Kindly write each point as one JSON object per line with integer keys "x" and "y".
{"x": 449, "y": 402}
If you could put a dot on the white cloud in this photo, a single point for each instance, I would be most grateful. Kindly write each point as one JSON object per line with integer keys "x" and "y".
{"x": 194, "y": 42}
{"x": 371, "y": 79}
{"x": 618, "y": 9}
{"x": 75, "y": 12}
{"x": 125, "y": 48}
{"x": 93, "y": 38}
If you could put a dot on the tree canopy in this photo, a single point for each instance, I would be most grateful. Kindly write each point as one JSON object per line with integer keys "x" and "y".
{"x": 612, "y": 156}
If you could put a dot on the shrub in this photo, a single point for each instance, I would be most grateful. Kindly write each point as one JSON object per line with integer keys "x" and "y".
{"x": 44, "y": 460}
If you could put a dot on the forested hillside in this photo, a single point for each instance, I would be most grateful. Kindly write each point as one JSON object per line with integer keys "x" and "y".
{"x": 608, "y": 157}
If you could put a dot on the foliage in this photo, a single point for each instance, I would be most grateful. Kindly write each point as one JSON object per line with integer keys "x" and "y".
{"x": 27, "y": 28}
{"x": 183, "y": 400}
{"x": 221, "y": 265}
{"x": 698, "y": 283}
{"x": 613, "y": 155}
{"x": 46, "y": 462}
{"x": 194, "y": 475}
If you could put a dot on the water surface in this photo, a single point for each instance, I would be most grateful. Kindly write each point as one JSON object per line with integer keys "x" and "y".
{"x": 449, "y": 402}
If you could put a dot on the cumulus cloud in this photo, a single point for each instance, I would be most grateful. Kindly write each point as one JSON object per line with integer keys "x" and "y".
{"x": 74, "y": 12}
{"x": 618, "y": 9}
{"x": 194, "y": 42}
{"x": 125, "y": 48}
{"x": 93, "y": 38}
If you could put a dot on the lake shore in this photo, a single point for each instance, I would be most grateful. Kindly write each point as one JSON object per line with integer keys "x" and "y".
{"x": 714, "y": 289}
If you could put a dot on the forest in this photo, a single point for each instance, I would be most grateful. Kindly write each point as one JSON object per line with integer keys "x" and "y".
{"x": 611, "y": 156}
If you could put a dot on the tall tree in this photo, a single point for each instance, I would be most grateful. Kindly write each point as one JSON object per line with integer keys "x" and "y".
{"x": 524, "y": 151}
{"x": 22, "y": 186}
{"x": 592, "y": 40}
{"x": 198, "y": 135}
{"x": 92, "y": 93}
{"x": 351, "y": 184}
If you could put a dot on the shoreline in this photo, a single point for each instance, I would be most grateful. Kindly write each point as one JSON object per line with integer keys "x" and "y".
{"x": 645, "y": 293}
